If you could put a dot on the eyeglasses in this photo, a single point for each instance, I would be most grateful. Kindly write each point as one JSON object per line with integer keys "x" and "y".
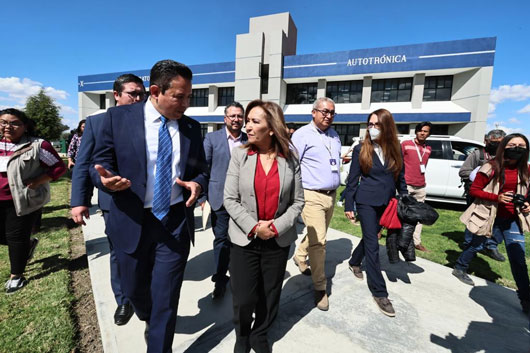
{"x": 510, "y": 145}
{"x": 13, "y": 124}
{"x": 235, "y": 116}
{"x": 326, "y": 112}
{"x": 135, "y": 94}
{"x": 376, "y": 125}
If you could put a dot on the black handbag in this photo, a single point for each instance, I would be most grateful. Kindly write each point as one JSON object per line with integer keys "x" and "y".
{"x": 412, "y": 211}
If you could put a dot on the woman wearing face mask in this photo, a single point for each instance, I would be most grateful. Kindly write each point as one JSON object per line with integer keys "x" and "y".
{"x": 376, "y": 172}
{"x": 498, "y": 212}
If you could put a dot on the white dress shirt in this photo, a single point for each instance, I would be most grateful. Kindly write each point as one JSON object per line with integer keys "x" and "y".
{"x": 379, "y": 151}
{"x": 152, "y": 123}
{"x": 233, "y": 142}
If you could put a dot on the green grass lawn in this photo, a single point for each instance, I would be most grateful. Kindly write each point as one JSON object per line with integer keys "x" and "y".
{"x": 442, "y": 239}
{"x": 38, "y": 318}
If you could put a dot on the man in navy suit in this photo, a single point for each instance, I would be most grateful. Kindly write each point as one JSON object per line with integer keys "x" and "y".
{"x": 151, "y": 157}
{"x": 128, "y": 89}
{"x": 218, "y": 147}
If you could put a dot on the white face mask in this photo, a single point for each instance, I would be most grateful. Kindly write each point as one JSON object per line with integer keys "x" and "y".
{"x": 374, "y": 133}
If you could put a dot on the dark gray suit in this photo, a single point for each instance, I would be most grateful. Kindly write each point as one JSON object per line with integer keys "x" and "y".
{"x": 217, "y": 151}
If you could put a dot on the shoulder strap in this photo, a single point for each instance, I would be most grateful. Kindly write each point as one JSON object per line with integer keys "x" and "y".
{"x": 26, "y": 148}
{"x": 482, "y": 157}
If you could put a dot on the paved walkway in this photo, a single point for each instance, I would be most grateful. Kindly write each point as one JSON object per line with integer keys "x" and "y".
{"x": 435, "y": 312}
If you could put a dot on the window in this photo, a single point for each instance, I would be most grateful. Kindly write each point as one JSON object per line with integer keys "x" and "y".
{"x": 346, "y": 132}
{"x": 102, "y": 101}
{"x": 440, "y": 129}
{"x": 225, "y": 96}
{"x": 204, "y": 130}
{"x": 436, "y": 149}
{"x": 462, "y": 149}
{"x": 392, "y": 90}
{"x": 301, "y": 93}
{"x": 264, "y": 78}
{"x": 438, "y": 88}
{"x": 403, "y": 129}
{"x": 199, "y": 98}
{"x": 345, "y": 91}
{"x": 296, "y": 126}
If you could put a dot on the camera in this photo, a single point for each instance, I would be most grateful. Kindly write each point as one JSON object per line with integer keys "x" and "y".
{"x": 519, "y": 200}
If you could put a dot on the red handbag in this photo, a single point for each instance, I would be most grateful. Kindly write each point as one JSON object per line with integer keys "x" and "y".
{"x": 390, "y": 219}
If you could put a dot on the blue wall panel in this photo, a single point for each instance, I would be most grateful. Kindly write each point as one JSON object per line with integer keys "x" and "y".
{"x": 430, "y": 56}
{"x": 398, "y": 117}
{"x": 204, "y": 73}
{"x": 361, "y": 118}
{"x": 208, "y": 118}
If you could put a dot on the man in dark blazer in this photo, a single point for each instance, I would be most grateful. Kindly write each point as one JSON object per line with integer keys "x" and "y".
{"x": 151, "y": 157}
{"x": 218, "y": 147}
{"x": 128, "y": 89}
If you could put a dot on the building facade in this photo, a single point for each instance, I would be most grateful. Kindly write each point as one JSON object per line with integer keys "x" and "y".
{"x": 447, "y": 83}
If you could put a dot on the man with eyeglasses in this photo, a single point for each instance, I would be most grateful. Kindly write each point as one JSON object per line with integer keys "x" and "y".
{"x": 128, "y": 89}
{"x": 218, "y": 147}
{"x": 318, "y": 147}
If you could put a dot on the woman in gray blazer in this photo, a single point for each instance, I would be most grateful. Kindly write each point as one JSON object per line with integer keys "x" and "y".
{"x": 263, "y": 195}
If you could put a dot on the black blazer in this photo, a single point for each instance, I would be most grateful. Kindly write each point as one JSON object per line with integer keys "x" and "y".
{"x": 375, "y": 188}
{"x": 121, "y": 149}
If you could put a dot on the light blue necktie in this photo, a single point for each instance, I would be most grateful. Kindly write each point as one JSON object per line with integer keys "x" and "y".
{"x": 162, "y": 192}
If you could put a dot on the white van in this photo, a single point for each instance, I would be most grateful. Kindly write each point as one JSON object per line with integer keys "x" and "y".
{"x": 447, "y": 156}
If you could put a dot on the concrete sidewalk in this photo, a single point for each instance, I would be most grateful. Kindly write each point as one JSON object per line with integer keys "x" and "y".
{"x": 434, "y": 311}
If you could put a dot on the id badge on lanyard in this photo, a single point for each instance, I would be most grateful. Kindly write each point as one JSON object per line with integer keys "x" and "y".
{"x": 332, "y": 161}
{"x": 420, "y": 157}
{"x": 3, "y": 163}
{"x": 334, "y": 165}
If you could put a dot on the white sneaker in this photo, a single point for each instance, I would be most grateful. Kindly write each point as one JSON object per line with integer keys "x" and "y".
{"x": 14, "y": 284}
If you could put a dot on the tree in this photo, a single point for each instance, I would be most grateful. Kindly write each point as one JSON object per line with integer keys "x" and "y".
{"x": 48, "y": 123}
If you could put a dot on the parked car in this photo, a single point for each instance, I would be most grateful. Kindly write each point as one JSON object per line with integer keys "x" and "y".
{"x": 447, "y": 156}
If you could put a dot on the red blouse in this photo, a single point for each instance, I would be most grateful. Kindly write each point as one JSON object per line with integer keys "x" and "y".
{"x": 505, "y": 210}
{"x": 267, "y": 189}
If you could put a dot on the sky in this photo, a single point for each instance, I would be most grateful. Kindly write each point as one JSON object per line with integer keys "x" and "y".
{"x": 47, "y": 45}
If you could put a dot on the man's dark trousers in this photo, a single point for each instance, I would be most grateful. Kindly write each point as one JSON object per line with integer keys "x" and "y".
{"x": 159, "y": 262}
{"x": 115, "y": 283}
{"x": 221, "y": 246}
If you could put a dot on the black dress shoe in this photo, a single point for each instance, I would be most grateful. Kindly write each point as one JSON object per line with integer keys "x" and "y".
{"x": 218, "y": 292}
{"x": 123, "y": 314}
{"x": 494, "y": 254}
